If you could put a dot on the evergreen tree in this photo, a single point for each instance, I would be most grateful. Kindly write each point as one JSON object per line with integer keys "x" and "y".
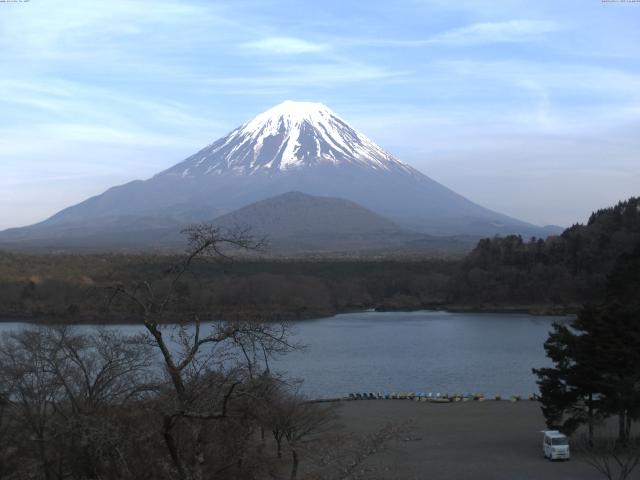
{"x": 570, "y": 390}
{"x": 596, "y": 358}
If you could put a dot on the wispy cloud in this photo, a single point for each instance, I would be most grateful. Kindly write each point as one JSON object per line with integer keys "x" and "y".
{"x": 316, "y": 75}
{"x": 560, "y": 77}
{"x": 71, "y": 27}
{"x": 284, "y": 46}
{"x": 43, "y": 100}
{"x": 512, "y": 31}
{"x": 484, "y": 33}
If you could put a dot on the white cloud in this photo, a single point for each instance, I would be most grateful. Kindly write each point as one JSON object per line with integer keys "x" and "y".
{"x": 283, "y": 78}
{"x": 145, "y": 38}
{"x": 72, "y": 103}
{"x": 512, "y": 31}
{"x": 284, "y": 46}
{"x": 103, "y": 134}
{"x": 608, "y": 93}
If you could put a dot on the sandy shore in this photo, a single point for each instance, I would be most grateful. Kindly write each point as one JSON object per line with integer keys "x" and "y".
{"x": 491, "y": 440}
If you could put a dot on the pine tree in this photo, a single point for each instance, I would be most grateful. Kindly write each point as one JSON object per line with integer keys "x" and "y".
{"x": 596, "y": 358}
{"x": 570, "y": 390}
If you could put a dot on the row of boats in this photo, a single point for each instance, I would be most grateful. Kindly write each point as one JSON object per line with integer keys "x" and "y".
{"x": 432, "y": 397}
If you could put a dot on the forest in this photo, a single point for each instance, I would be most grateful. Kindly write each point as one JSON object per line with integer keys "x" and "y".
{"x": 552, "y": 275}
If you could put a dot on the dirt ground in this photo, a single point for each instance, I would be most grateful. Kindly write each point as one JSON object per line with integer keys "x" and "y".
{"x": 491, "y": 440}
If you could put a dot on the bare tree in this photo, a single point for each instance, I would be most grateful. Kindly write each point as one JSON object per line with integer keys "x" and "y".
{"x": 344, "y": 456}
{"x": 57, "y": 385}
{"x": 100, "y": 373}
{"x": 8, "y": 447}
{"x": 208, "y": 368}
{"x": 185, "y": 399}
{"x": 614, "y": 460}
{"x": 31, "y": 392}
{"x": 291, "y": 418}
{"x": 306, "y": 422}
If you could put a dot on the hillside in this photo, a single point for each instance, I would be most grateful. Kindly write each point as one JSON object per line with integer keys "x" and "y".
{"x": 295, "y": 223}
{"x": 299, "y": 214}
{"x": 567, "y": 269}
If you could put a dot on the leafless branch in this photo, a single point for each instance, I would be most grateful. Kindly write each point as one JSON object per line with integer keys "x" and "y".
{"x": 613, "y": 460}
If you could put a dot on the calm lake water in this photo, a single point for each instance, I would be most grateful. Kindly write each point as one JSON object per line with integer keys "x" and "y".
{"x": 416, "y": 351}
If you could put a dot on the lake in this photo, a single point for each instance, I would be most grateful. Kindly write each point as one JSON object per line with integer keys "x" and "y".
{"x": 428, "y": 351}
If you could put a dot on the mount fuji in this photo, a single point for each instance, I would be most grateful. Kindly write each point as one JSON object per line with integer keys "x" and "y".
{"x": 294, "y": 146}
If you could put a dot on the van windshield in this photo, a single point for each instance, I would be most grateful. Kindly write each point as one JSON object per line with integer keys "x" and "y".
{"x": 560, "y": 441}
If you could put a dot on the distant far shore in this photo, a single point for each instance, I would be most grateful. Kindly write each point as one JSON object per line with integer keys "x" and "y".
{"x": 524, "y": 309}
{"x": 534, "y": 310}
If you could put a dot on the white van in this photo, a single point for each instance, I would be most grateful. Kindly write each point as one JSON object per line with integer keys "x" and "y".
{"x": 555, "y": 445}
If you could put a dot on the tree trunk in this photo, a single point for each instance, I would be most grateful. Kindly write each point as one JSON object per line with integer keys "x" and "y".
{"x": 294, "y": 464}
{"x": 240, "y": 466}
{"x": 198, "y": 460}
{"x": 171, "y": 446}
{"x": 279, "y": 443}
{"x": 590, "y": 419}
{"x": 622, "y": 427}
{"x": 46, "y": 473}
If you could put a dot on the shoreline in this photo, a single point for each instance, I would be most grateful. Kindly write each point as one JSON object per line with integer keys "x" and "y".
{"x": 533, "y": 310}
{"x": 524, "y": 310}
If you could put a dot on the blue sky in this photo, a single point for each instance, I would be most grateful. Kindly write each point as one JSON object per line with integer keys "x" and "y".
{"x": 529, "y": 108}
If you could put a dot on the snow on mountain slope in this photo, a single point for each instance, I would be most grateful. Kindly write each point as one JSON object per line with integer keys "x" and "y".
{"x": 294, "y": 146}
{"x": 289, "y": 136}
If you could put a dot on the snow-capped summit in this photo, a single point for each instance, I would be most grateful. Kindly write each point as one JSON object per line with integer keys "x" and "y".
{"x": 289, "y": 136}
{"x": 292, "y": 147}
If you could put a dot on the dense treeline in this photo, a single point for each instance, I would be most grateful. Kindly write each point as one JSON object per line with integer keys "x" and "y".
{"x": 555, "y": 274}
{"x": 563, "y": 270}
{"x": 76, "y": 287}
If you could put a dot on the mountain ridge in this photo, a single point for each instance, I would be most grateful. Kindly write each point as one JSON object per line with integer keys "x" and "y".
{"x": 294, "y": 146}
{"x": 289, "y": 135}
